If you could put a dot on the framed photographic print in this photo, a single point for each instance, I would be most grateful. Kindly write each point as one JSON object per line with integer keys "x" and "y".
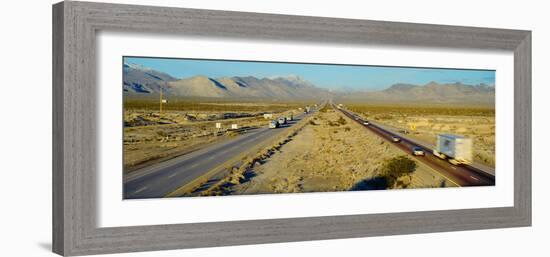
{"x": 183, "y": 128}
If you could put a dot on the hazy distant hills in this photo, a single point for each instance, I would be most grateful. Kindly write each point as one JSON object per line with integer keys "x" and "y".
{"x": 432, "y": 92}
{"x": 142, "y": 81}
{"x": 247, "y": 87}
{"x": 138, "y": 79}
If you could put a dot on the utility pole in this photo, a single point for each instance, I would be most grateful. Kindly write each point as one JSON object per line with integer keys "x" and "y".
{"x": 160, "y": 112}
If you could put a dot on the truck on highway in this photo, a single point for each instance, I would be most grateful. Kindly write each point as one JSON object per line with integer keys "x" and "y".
{"x": 282, "y": 120}
{"x": 290, "y": 117}
{"x": 454, "y": 148}
{"x": 273, "y": 124}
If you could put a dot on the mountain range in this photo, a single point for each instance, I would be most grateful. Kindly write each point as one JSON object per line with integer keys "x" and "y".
{"x": 454, "y": 93}
{"x": 143, "y": 81}
{"x": 140, "y": 80}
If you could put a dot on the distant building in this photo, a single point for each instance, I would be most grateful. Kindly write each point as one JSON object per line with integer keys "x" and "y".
{"x": 268, "y": 115}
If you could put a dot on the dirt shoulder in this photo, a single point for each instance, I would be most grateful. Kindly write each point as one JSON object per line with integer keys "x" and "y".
{"x": 330, "y": 153}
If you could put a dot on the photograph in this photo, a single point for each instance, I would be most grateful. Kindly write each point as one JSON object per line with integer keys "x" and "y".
{"x": 205, "y": 127}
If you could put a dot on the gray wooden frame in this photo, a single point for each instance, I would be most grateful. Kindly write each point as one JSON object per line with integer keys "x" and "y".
{"x": 75, "y": 25}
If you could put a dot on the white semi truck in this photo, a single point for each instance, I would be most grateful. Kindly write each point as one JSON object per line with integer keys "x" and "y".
{"x": 456, "y": 149}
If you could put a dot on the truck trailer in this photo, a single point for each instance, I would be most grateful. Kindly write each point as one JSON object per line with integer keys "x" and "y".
{"x": 454, "y": 148}
{"x": 290, "y": 117}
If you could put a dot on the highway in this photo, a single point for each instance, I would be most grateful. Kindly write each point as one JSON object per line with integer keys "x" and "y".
{"x": 461, "y": 175}
{"x": 160, "y": 179}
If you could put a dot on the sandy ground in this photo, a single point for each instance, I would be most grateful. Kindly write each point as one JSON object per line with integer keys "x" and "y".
{"x": 331, "y": 153}
{"x": 150, "y": 138}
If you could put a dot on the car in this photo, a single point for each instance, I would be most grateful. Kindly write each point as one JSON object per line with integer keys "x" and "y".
{"x": 395, "y": 139}
{"x": 366, "y": 123}
{"x": 418, "y": 151}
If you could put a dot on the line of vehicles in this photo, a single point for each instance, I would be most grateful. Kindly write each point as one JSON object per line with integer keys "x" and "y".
{"x": 281, "y": 121}
{"x": 284, "y": 119}
{"x": 456, "y": 149}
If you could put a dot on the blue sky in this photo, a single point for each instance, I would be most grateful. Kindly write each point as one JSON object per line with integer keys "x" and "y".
{"x": 362, "y": 78}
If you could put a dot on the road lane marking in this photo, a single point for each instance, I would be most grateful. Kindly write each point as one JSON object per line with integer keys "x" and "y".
{"x": 426, "y": 164}
{"x": 389, "y": 131}
{"x": 140, "y": 190}
{"x": 261, "y": 142}
{"x": 173, "y": 175}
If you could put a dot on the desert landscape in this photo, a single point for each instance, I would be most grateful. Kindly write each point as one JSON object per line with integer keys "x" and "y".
{"x": 328, "y": 153}
{"x": 424, "y": 123}
{"x": 151, "y": 137}
{"x": 239, "y": 135}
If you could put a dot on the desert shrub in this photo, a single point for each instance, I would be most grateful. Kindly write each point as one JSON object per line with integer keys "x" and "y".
{"x": 347, "y": 129}
{"x": 342, "y": 121}
{"x": 312, "y": 123}
{"x": 325, "y": 109}
{"x": 162, "y": 133}
{"x": 398, "y": 171}
{"x": 383, "y": 117}
{"x": 232, "y": 133}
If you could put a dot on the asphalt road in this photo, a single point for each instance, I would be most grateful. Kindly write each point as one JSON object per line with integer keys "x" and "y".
{"x": 461, "y": 175}
{"x": 160, "y": 179}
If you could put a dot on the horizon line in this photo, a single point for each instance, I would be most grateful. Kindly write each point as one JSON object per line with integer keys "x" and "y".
{"x": 481, "y": 80}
